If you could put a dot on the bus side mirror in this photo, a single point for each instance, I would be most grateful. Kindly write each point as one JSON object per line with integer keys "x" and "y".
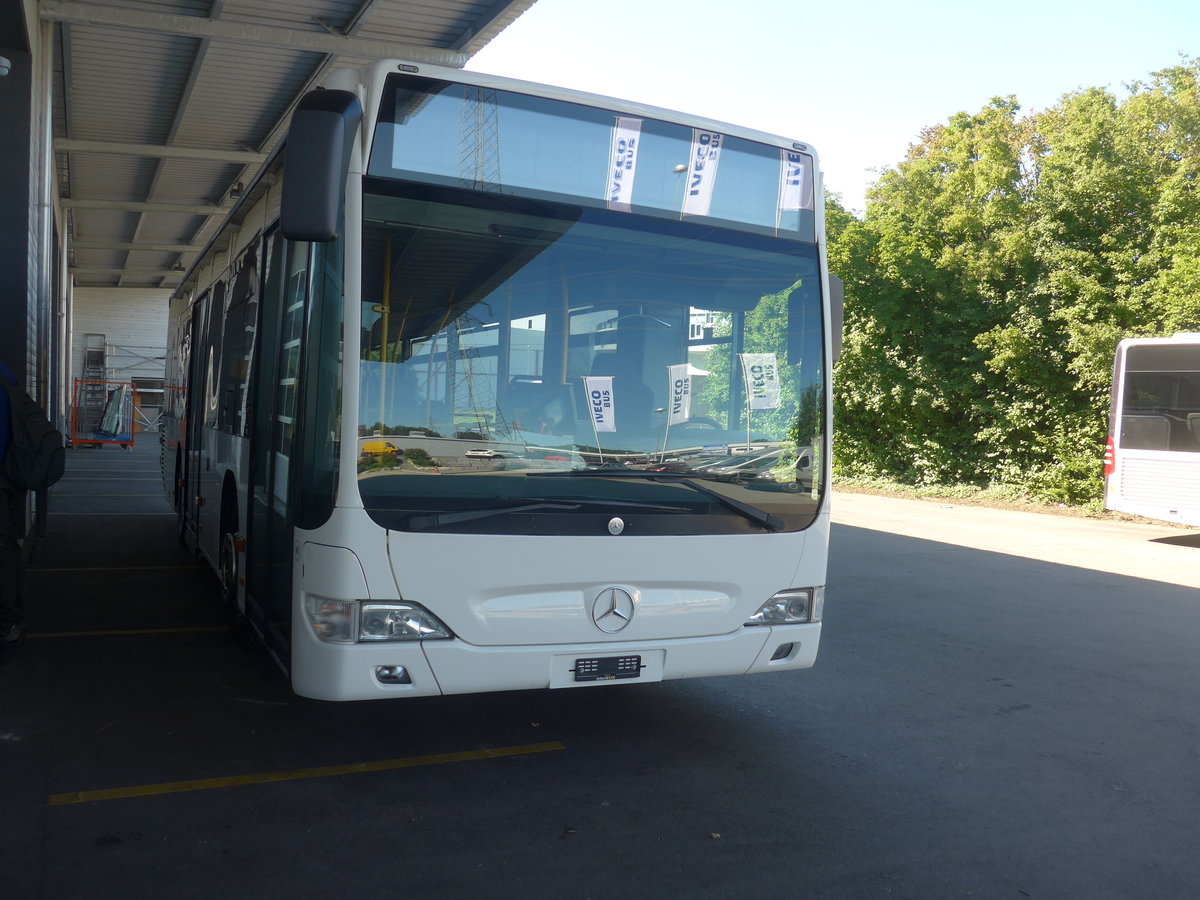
{"x": 837, "y": 314}
{"x": 317, "y": 158}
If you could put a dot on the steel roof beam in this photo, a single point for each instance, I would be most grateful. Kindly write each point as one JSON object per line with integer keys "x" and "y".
{"x": 164, "y": 151}
{"x": 214, "y": 12}
{"x": 193, "y": 209}
{"x": 74, "y": 13}
{"x": 113, "y": 272}
{"x": 477, "y": 33}
{"x": 359, "y": 19}
{"x": 139, "y": 246}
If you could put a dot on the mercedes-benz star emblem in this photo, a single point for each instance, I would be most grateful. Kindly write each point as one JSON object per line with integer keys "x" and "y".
{"x": 612, "y": 610}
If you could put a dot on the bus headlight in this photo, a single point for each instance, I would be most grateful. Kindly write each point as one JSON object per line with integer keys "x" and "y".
{"x": 357, "y": 621}
{"x": 797, "y": 606}
{"x": 331, "y": 620}
{"x": 399, "y": 622}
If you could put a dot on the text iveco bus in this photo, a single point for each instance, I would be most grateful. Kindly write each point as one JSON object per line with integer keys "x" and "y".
{"x": 448, "y": 379}
{"x": 1152, "y": 462}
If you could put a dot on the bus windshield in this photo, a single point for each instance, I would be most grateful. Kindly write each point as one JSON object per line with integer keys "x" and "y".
{"x": 517, "y": 338}
{"x": 522, "y": 145}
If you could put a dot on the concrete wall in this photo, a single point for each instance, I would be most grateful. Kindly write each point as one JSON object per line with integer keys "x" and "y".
{"x": 131, "y": 324}
{"x": 134, "y": 324}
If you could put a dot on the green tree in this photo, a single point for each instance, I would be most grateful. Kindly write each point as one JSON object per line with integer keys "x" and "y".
{"x": 934, "y": 263}
{"x": 799, "y": 413}
{"x": 995, "y": 270}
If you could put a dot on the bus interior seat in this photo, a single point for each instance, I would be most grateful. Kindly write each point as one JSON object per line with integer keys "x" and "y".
{"x": 1193, "y": 424}
{"x": 634, "y": 401}
{"x": 533, "y": 405}
{"x": 1145, "y": 432}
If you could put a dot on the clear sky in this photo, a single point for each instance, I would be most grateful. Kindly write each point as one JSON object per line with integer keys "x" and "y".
{"x": 858, "y": 80}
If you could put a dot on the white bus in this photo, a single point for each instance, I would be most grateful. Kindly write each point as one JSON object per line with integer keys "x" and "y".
{"x": 440, "y": 383}
{"x": 1152, "y": 461}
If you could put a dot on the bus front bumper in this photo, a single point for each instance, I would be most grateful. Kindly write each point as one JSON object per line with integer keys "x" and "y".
{"x": 379, "y": 671}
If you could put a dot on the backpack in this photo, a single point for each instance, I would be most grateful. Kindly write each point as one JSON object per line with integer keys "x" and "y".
{"x": 35, "y": 458}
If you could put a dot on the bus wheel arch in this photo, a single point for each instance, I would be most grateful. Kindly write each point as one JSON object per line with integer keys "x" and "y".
{"x": 229, "y": 565}
{"x": 178, "y": 491}
{"x": 179, "y": 494}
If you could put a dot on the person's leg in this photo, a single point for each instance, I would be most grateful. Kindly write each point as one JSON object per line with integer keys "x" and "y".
{"x": 12, "y": 565}
{"x": 12, "y": 607}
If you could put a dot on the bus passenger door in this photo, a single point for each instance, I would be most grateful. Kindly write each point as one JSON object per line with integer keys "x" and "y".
{"x": 273, "y": 437}
{"x": 193, "y": 423}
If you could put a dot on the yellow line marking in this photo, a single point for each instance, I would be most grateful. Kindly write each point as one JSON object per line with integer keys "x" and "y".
{"x": 204, "y": 784}
{"x": 118, "y": 633}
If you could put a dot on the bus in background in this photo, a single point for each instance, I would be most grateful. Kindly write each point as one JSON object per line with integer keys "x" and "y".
{"x": 1152, "y": 461}
{"x": 530, "y": 298}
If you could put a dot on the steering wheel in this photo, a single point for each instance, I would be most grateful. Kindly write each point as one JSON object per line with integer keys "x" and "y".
{"x": 701, "y": 422}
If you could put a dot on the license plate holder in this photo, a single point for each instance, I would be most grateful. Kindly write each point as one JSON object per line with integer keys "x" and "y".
{"x": 607, "y": 668}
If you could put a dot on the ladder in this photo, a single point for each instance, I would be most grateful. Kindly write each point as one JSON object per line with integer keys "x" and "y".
{"x": 92, "y": 394}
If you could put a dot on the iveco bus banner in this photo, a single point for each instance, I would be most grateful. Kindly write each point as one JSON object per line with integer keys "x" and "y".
{"x": 599, "y": 390}
{"x": 679, "y": 382}
{"x": 795, "y": 181}
{"x": 762, "y": 380}
{"x": 702, "y": 172}
{"x": 622, "y": 162}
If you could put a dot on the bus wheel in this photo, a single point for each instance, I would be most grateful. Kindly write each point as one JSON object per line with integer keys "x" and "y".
{"x": 180, "y": 517}
{"x": 239, "y": 626}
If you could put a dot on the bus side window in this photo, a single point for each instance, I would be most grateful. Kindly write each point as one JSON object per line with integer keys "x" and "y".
{"x": 213, "y": 359}
{"x": 238, "y": 345}
{"x": 1145, "y": 432}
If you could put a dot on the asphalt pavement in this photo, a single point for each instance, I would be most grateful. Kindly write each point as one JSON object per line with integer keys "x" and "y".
{"x": 1004, "y": 706}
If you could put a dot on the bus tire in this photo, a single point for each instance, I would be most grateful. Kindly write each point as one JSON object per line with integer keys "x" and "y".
{"x": 240, "y": 628}
{"x": 180, "y": 493}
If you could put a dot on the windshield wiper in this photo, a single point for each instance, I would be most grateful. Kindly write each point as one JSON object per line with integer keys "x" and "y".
{"x": 617, "y": 504}
{"x": 526, "y": 504}
{"x": 772, "y": 523}
{"x": 600, "y": 473}
{"x": 753, "y": 513}
{"x": 435, "y": 520}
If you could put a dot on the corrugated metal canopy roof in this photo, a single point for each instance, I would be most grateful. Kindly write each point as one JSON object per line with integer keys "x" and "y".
{"x": 162, "y": 107}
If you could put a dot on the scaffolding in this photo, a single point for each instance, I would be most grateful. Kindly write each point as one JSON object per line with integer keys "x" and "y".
{"x": 107, "y": 365}
{"x": 103, "y": 413}
{"x": 143, "y": 366}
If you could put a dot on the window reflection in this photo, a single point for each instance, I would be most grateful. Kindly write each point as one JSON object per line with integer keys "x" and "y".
{"x": 502, "y": 337}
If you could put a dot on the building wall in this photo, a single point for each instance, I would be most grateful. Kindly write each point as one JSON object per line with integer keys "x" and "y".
{"x": 33, "y": 289}
{"x": 133, "y": 323}
{"x": 18, "y": 227}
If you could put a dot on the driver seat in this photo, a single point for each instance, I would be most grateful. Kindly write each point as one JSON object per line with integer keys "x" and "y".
{"x": 633, "y": 400}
